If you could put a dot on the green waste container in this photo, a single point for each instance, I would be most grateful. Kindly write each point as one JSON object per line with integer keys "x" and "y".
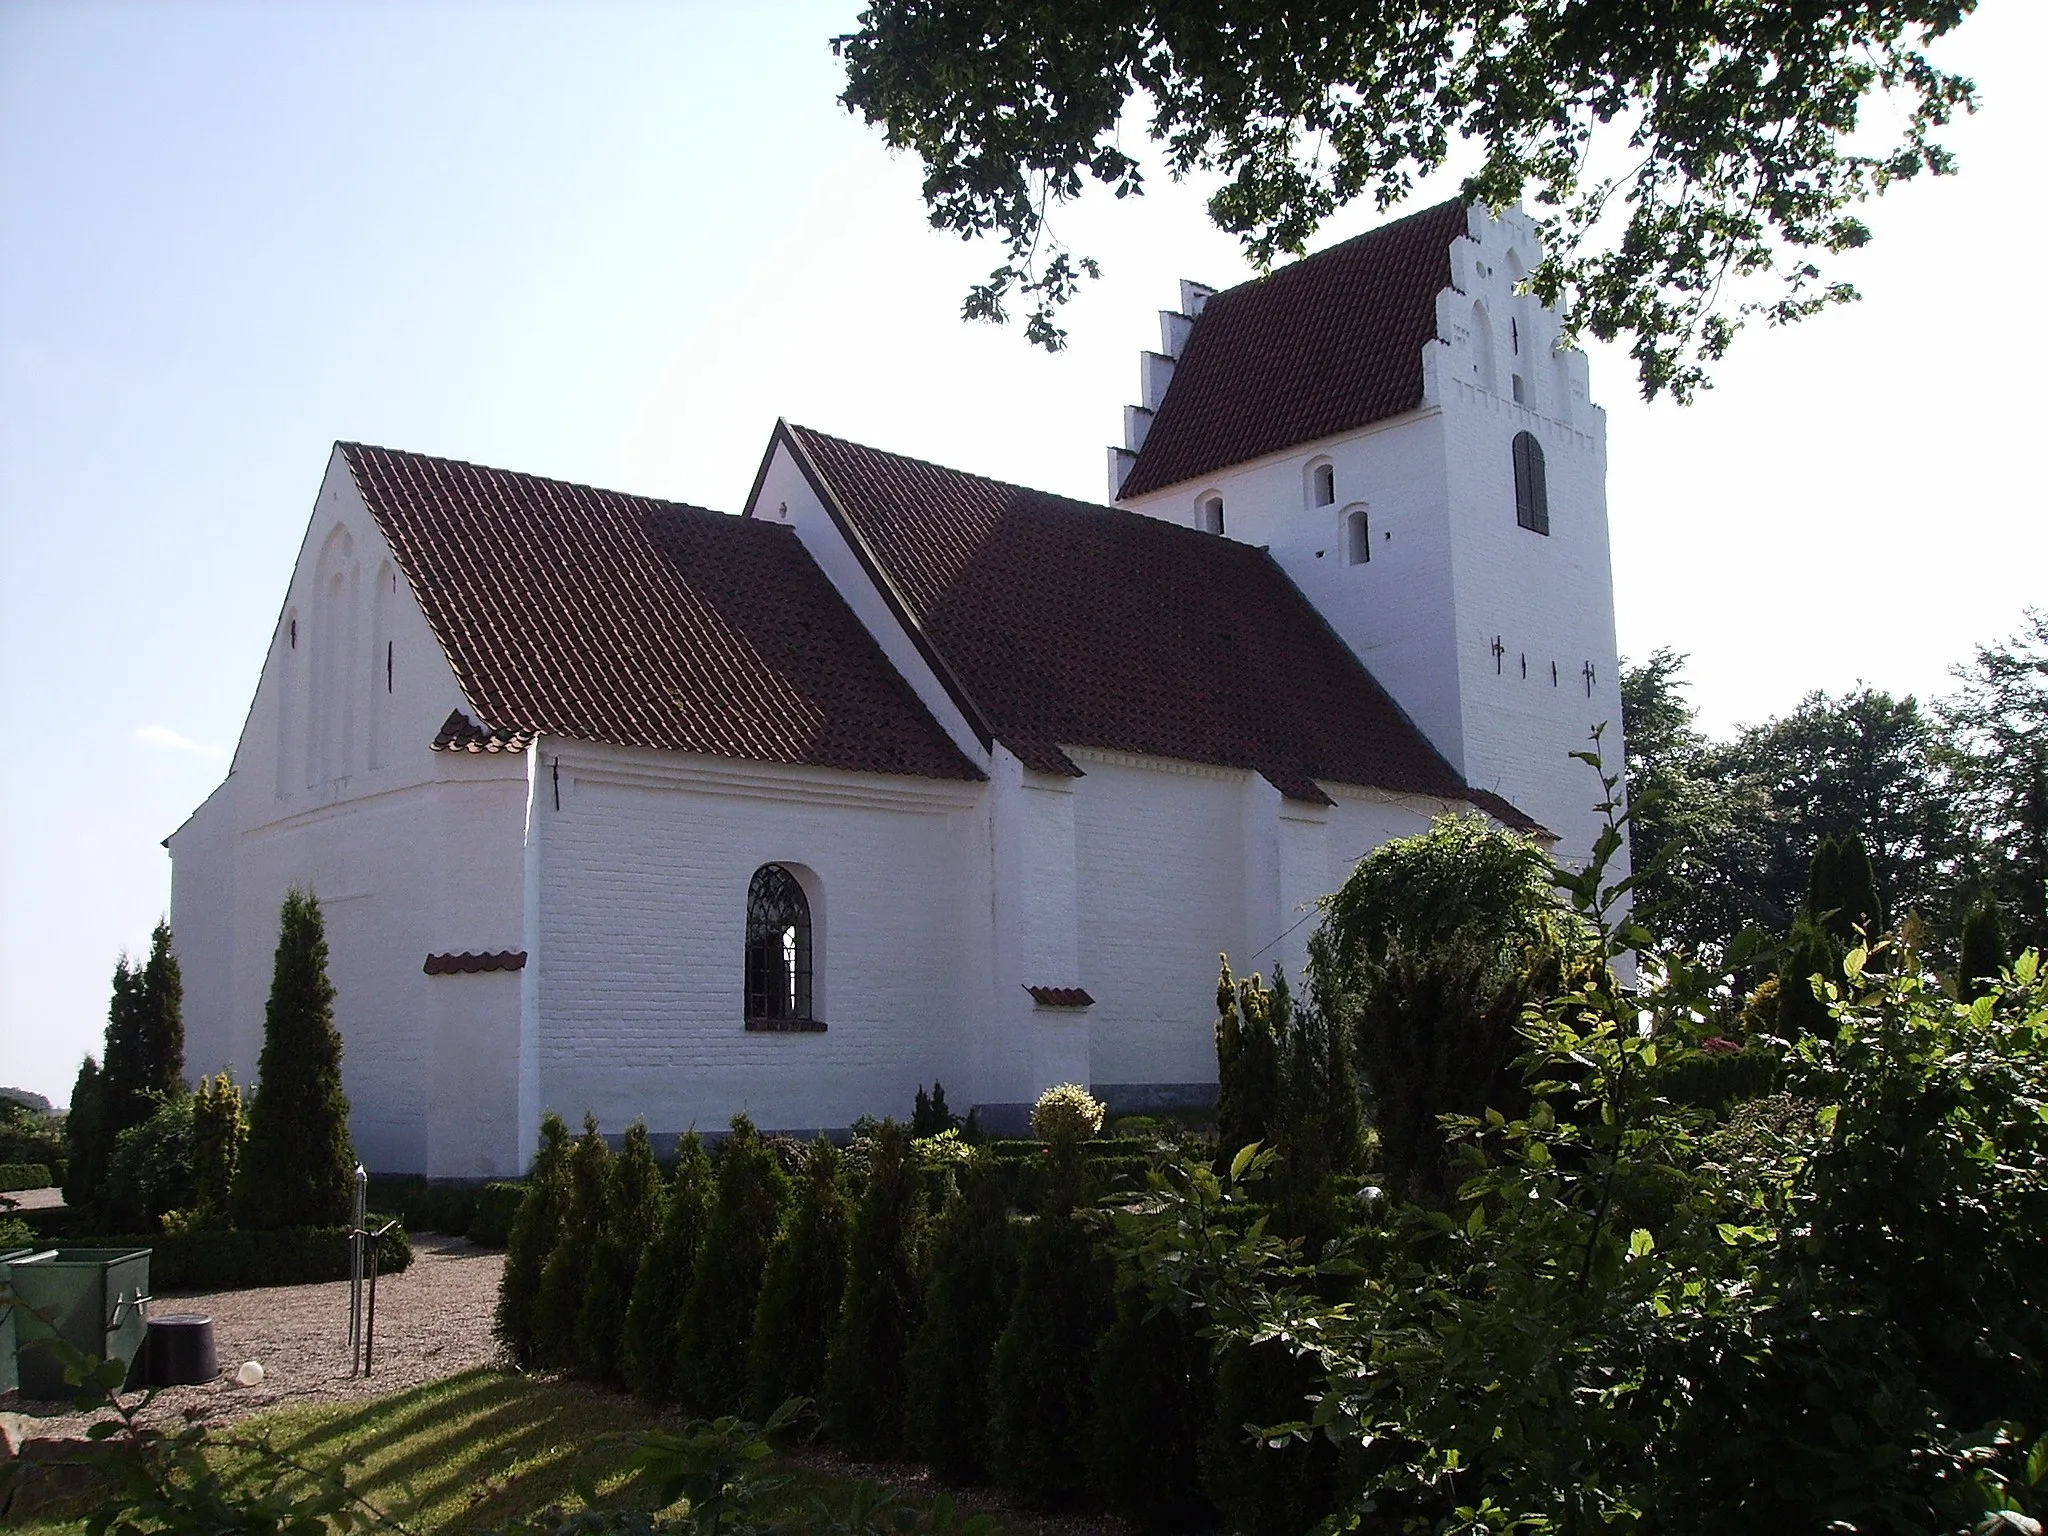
{"x": 9, "y": 1376}
{"x": 93, "y": 1298}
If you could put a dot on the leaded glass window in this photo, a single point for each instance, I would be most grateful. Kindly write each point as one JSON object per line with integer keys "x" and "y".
{"x": 778, "y": 947}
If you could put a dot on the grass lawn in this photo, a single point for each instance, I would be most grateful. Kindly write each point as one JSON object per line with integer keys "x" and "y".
{"x": 480, "y": 1450}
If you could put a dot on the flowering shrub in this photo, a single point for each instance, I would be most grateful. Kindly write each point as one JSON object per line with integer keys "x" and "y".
{"x": 1066, "y": 1112}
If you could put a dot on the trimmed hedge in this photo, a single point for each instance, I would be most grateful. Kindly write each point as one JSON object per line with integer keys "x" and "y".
{"x": 430, "y": 1205}
{"x": 25, "y": 1176}
{"x": 242, "y": 1260}
{"x": 496, "y": 1206}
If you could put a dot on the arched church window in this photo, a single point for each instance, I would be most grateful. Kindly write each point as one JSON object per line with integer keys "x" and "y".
{"x": 1357, "y": 537}
{"x": 1532, "y": 496}
{"x": 778, "y": 949}
{"x": 1323, "y": 485}
{"x": 1212, "y": 514}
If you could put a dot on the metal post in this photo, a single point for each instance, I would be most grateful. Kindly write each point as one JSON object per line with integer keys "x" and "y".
{"x": 355, "y": 1267}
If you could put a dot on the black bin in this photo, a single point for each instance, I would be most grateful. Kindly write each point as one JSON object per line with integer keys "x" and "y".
{"x": 180, "y": 1350}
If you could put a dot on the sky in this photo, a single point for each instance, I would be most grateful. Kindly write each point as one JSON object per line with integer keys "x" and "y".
{"x": 614, "y": 242}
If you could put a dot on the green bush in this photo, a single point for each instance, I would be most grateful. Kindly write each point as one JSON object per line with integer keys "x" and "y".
{"x": 150, "y": 1172}
{"x": 532, "y": 1238}
{"x": 24, "y": 1176}
{"x": 497, "y": 1204}
{"x": 633, "y": 1196}
{"x": 1154, "y": 1401}
{"x": 430, "y": 1205}
{"x": 1042, "y": 1375}
{"x": 1429, "y": 952}
{"x": 973, "y": 1269}
{"x": 242, "y": 1260}
{"x": 864, "y": 1373}
{"x": 565, "y": 1277}
{"x": 1066, "y": 1112}
{"x": 717, "y": 1321}
{"x": 801, "y": 1289}
{"x": 666, "y": 1270}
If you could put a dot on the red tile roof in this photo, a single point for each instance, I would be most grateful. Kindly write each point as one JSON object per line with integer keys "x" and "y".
{"x": 459, "y": 733}
{"x": 1076, "y": 625}
{"x": 468, "y": 964}
{"x": 640, "y": 623}
{"x": 1327, "y": 345}
{"x": 1060, "y": 997}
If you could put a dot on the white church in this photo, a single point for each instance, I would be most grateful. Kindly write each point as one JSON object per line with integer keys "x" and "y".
{"x": 620, "y": 805}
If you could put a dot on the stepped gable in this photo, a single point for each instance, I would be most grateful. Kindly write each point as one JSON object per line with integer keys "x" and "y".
{"x": 641, "y": 623}
{"x": 1326, "y": 345}
{"x": 1077, "y": 625}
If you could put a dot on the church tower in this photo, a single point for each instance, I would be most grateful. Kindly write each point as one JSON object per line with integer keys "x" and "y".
{"x": 1402, "y": 431}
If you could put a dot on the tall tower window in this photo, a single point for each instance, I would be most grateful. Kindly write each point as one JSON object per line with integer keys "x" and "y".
{"x": 1357, "y": 537}
{"x": 1532, "y": 496}
{"x": 1212, "y": 514}
{"x": 1322, "y": 486}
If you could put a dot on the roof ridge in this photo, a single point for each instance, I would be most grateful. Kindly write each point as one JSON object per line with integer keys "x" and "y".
{"x": 1309, "y": 258}
{"x": 348, "y": 446}
{"x": 1144, "y": 519}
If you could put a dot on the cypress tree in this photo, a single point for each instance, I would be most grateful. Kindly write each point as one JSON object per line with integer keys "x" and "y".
{"x": 865, "y": 1384}
{"x": 565, "y": 1278}
{"x": 1841, "y": 892}
{"x": 632, "y": 1217}
{"x": 123, "y": 1075}
{"x": 717, "y": 1322}
{"x": 966, "y": 1303}
{"x": 666, "y": 1270}
{"x": 85, "y": 1140}
{"x": 1042, "y": 1374}
{"x": 160, "y": 1038}
{"x": 801, "y": 1289}
{"x": 298, "y": 1170}
{"x": 534, "y": 1230}
{"x": 1983, "y": 954}
{"x": 1154, "y": 1400}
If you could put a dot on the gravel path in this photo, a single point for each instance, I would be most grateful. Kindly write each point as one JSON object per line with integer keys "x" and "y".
{"x": 432, "y": 1321}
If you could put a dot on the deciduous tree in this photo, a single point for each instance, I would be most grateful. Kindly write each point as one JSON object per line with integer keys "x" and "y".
{"x": 1742, "y": 134}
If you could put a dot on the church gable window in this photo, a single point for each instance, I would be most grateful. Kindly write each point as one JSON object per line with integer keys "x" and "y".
{"x": 1532, "y": 496}
{"x": 1322, "y": 484}
{"x": 1211, "y": 513}
{"x": 778, "y": 952}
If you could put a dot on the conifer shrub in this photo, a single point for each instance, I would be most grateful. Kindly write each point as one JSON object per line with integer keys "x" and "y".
{"x": 865, "y": 1383}
{"x": 1042, "y": 1373}
{"x": 298, "y": 1167}
{"x": 972, "y": 1270}
{"x": 218, "y": 1131}
{"x": 634, "y": 1193}
{"x": 1249, "y": 1062}
{"x": 666, "y": 1270}
{"x": 1259, "y": 1488}
{"x": 532, "y": 1238}
{"x": 1154, "y": 1402}
{"x": 1982, "y": 954}
{"x": 717, "y": 1322}
{"x": 929, "y": 1115}
{"x": 565, "y": 1277}
{"x": 801, "y": 1288}
{"x": 86, "y": 1143}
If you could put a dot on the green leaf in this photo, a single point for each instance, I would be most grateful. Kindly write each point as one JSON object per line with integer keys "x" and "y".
{"x": 1641, "y": 1244}
{"x": 1243, "y": 1160}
